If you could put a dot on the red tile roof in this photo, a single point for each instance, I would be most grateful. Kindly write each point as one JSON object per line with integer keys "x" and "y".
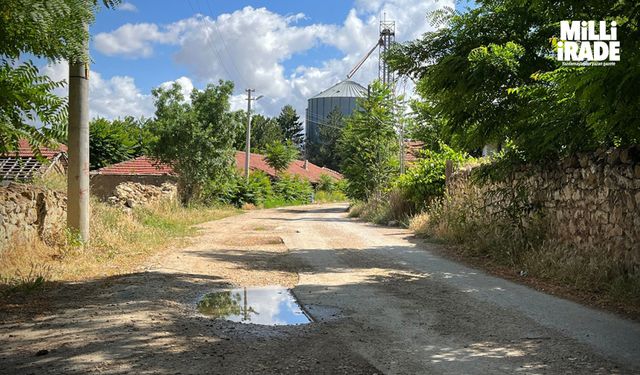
{"x": 311, "y": 173}
{"x": 146, "y": 166}
{"x": 139, "y": 166}
{"x": 24, "y": 150}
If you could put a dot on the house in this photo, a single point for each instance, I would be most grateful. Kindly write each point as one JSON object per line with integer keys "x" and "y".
{"x": 23, "y": 165}
{"x": 147, "y": 171}
{"x": 302, "y": 168}
{"x": 143, "y": 170}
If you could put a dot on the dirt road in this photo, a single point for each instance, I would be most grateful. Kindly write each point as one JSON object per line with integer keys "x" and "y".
{"x": 382, "y": 301}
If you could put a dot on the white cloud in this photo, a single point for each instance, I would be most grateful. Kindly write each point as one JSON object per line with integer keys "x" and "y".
{"x": 117, "y": 96}
{"x": 250, "y": 47}
{"x": 129, "y": 7}
{"x": 186, "y": 86}
{"x": 135, "y": 40}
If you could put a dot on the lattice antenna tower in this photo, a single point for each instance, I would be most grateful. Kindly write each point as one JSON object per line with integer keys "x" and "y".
{"x": 387, "y": 39}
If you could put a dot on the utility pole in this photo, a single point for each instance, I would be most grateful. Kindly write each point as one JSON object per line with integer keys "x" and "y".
{"x": 247, "y": 154}
{"x": 78, "y": 170}
{"x": 402, "y": 155}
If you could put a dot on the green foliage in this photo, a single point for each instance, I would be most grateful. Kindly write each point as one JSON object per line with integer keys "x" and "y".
{"x": 322, "y": 196}
{"x": 50, "y": 29}
{"x": 27, "y": 97}
{"x": 490, "y": 77}
{"x": 292, "y": 188}
{"x": 291, "y": 126}
{"x": 264, "y": 131}
{"x": 279, "y": 155}
{"x": 194, "y": 138}
{"x": 369, "y": 145}
{"x": 425, "y": 180}
{"x": 239, "y": 191}
{"x": 326, "y": 183}
{"x": 324, "y": 152}
{"x": 115, "y": 141}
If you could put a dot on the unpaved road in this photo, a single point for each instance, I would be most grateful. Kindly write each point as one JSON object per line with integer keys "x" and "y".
{"x": 383, "y": 303}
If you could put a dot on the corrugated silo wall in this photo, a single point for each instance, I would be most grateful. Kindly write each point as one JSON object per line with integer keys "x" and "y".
{"x": 319, "y": 108}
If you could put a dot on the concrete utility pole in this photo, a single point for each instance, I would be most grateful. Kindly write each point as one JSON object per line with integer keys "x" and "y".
{"x": 247, "y": 155}
{"x": 402, "y": 153}
{"x": 78, "y": 170}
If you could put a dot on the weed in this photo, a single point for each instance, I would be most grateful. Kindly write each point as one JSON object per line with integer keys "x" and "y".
{"x": 25, "y": 283}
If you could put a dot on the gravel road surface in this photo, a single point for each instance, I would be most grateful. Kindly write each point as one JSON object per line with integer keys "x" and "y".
{"x": 382, "y": 302}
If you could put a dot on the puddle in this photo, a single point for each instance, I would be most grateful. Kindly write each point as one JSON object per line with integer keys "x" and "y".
{"x": 264, "y": 305}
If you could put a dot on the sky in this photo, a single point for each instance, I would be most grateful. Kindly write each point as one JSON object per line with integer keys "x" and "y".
{"x": 286, "y": 50}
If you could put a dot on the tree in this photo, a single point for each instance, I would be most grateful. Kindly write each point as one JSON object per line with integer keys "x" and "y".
{"x": 490, "y": 76}
{"x": 264, "y": 131}
{"x": 50, "y": 29}
{"x": 115, "y": 141}
{"x": 195, "y": 138}
{"x": 291, "y": 126}
{"x": 324, "y": 152}
{"x": 280, "y": 154}
{"x": 369, "y": 144}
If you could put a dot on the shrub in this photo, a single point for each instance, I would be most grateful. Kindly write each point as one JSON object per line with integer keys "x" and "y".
{"x": 292, "y": 189}
{"x": 425, "y": 180}
{"x": 326, "y": 183}
{"x": 239, "y": 191}
{"x": 383, "y": 208}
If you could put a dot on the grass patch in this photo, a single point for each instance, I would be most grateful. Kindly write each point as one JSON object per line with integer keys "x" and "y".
{"x": 120, "y": 243}
{"x": 52, "y": 181}
{"x": 322, "y": 196}
{"x": 273, "y": 202}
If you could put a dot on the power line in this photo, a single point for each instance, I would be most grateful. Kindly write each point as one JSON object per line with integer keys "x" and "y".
{"x": 224, "y": 45}
{"x": 215, "y": 52}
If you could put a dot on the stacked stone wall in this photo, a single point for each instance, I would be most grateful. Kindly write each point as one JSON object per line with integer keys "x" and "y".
{"x": 28, "y": 212}
{"x": 590, "y": 201}
{"x": 132, "y": 194}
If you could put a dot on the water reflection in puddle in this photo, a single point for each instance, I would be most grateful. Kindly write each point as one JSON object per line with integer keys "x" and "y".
{"x": 265, "y": 305}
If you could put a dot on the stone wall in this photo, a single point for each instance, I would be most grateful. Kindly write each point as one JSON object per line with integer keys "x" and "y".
{"x": 591, "y": 201}
{"x": 132, "y": 194}
{"x": 103, "y": 186}
{"x": 28, "y": 211}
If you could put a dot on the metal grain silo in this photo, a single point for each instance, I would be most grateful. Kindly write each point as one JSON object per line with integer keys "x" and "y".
{"x": 342, "y": 95}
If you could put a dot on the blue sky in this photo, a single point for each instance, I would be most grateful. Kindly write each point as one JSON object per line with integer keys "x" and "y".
{"x": 287, "y": 50}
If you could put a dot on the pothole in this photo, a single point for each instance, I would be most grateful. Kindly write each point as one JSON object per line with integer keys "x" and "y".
{"x": 254, "y": 241}
{"x": 258, "y": 305}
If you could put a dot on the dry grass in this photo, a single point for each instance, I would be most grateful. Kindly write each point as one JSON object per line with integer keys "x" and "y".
{"x": 52, "y": 181}
{"x": 384, "y": 208}
{"x": 120, "y": 243}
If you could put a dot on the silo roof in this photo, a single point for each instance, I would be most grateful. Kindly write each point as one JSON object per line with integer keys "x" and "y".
{"x": 343, "y": 89}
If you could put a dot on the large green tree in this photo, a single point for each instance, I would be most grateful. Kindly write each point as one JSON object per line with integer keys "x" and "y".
{"x": 490, "y": 76}
{"x": 49, "y": 29}
{"x": 369, "y": 144}
{"x": 264, "y": 131}
{"x": 291, "y": 126}
{"x": 195, "y": 138}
